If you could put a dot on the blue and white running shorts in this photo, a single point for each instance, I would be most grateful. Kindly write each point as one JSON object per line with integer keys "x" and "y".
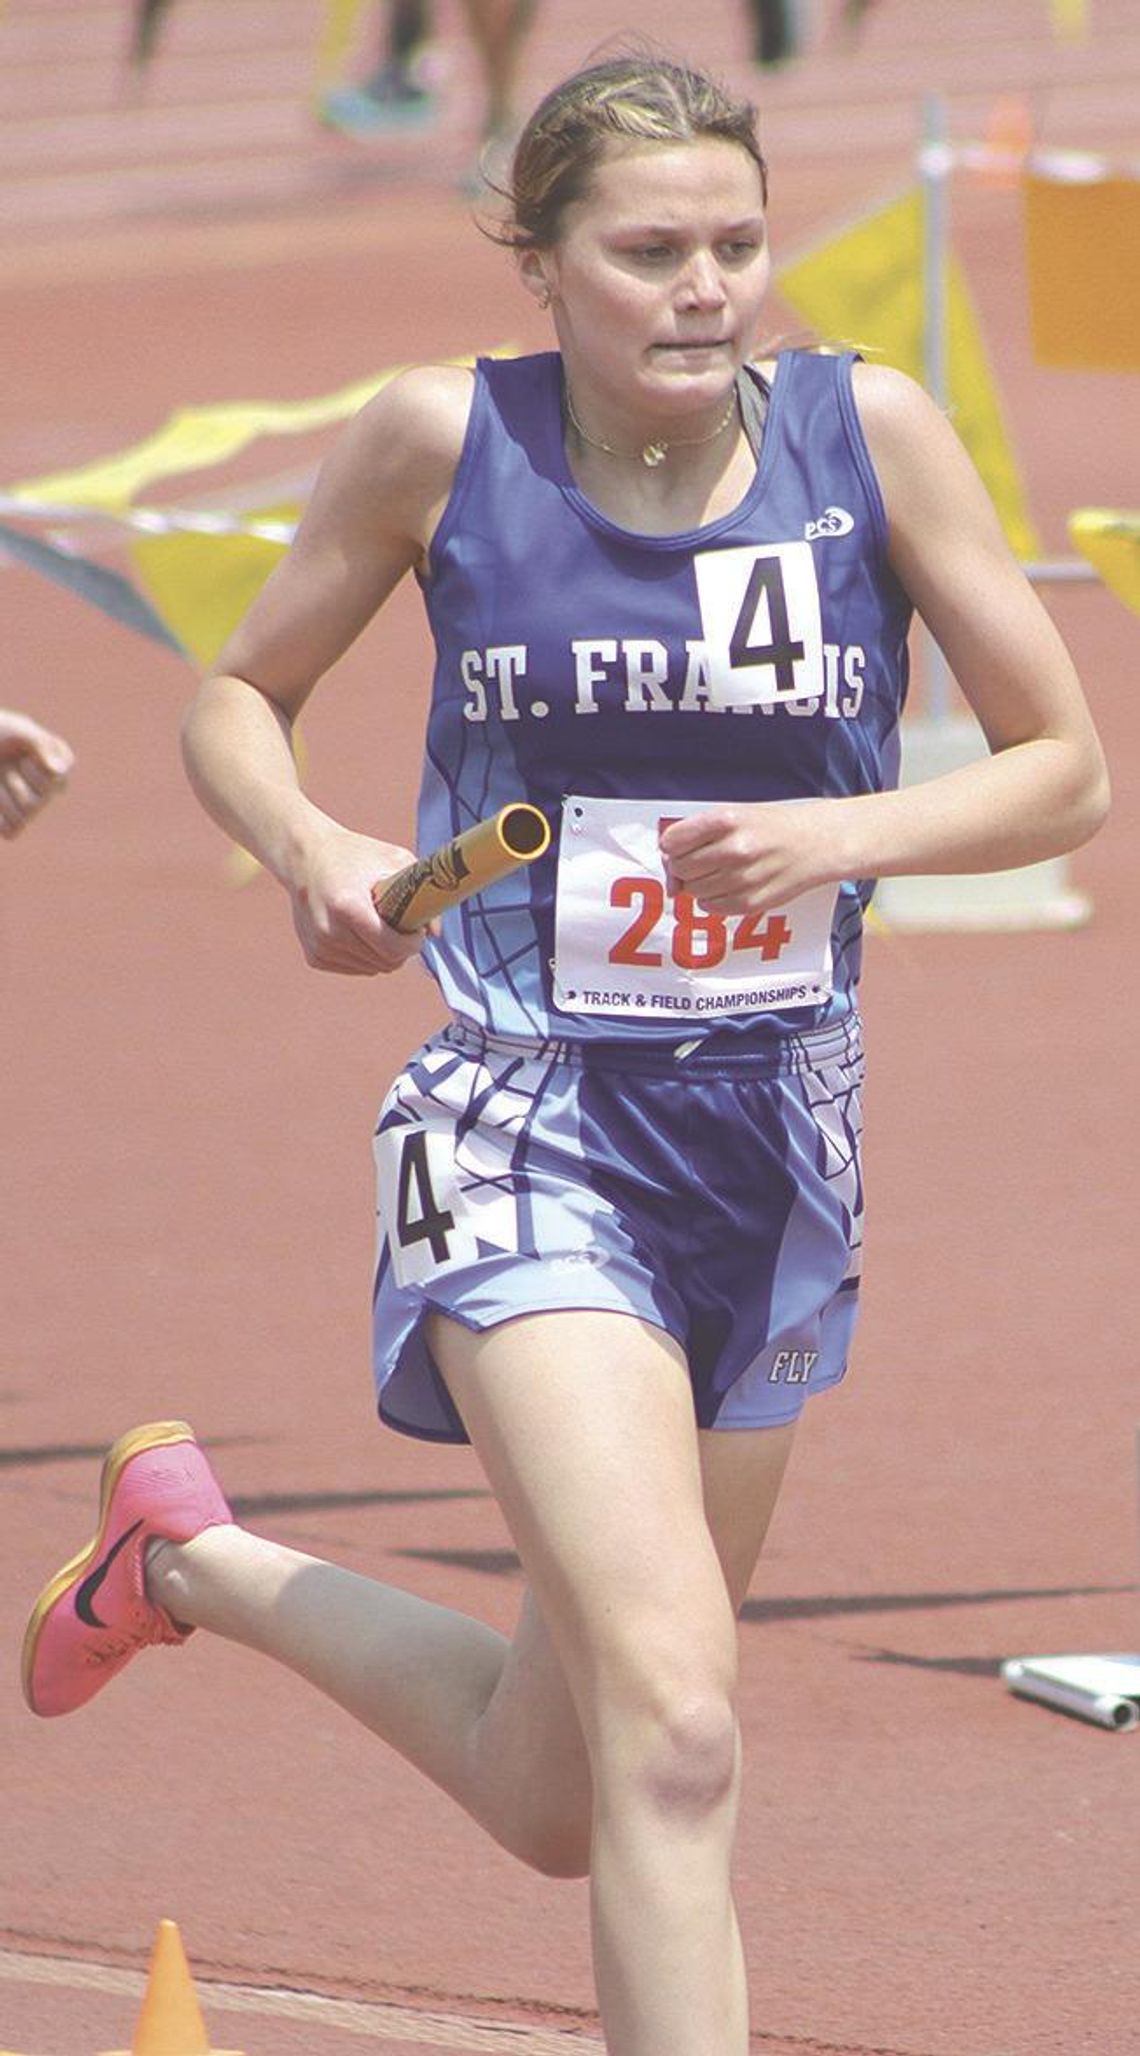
{"x": 711, "y": 1188}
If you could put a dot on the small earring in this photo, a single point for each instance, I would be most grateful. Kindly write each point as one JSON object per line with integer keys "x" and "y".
{"x": 544, "y": 297}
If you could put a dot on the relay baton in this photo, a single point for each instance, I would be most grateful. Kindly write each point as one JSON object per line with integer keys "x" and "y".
{"x": 515, "y": 835}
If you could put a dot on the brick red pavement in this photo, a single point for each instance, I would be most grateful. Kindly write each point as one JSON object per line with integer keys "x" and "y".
{"x": 927, "y": 1867}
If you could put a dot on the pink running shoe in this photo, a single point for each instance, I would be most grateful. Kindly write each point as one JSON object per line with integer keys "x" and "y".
{"x": 94, "y": 1615}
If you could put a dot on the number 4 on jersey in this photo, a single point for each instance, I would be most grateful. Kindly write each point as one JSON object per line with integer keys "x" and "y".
{"x": 779, "y": 648}
{"x": 761, "y": 623}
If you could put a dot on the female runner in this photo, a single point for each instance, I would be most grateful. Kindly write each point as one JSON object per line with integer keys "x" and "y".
{"x": 670, "y": 590}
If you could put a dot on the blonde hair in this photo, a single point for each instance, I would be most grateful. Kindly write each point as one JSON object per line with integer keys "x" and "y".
{"x": 624, "y": 101}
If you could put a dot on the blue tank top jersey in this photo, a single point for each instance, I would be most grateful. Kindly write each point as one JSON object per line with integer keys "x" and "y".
{"x": 575, "y": 657}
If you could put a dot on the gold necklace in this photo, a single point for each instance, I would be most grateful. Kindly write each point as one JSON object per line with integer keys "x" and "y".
{"x": 654, "y": 453}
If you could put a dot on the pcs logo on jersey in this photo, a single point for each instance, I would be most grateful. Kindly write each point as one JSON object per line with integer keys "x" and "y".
{"x": 833, "y": 521}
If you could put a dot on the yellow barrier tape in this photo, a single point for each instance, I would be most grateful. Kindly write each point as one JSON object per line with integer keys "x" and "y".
{"x": 195, "y": 439}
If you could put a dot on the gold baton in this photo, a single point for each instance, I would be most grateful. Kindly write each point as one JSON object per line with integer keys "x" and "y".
{"x": 515, "y": 835}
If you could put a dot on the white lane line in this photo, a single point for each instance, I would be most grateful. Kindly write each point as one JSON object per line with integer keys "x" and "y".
{"x": 378, "y": 2022}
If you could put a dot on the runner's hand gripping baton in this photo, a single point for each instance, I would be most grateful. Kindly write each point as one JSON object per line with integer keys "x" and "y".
{"x": 414, "y": 896}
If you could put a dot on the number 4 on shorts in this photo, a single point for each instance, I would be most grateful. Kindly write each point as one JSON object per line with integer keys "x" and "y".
{"x": 428, "y": 1222}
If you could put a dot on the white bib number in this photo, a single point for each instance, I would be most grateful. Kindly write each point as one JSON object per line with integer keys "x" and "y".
{"x": 761, "y": 622}
{"x": 626, "y": 945}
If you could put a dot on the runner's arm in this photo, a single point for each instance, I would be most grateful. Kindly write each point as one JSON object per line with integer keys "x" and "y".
{"x": 1044, "y": 787}
{"x": 370, "y": 520}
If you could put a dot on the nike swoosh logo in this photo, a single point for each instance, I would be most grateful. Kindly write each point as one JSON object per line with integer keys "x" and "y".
{"x": 88, "y": 1591}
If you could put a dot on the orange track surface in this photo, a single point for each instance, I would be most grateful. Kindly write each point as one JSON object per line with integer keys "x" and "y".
{"x": 927, "y": 1866}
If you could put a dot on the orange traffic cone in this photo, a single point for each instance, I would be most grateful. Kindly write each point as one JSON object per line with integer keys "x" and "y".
{"x": 170, "y": 2023}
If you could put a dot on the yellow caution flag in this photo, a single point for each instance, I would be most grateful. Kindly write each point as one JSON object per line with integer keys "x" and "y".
{"x": 1110, "y": 539}
{"x": 202, "y": 585}
{"x": 1070, "y": 20}
{"x": 863, "y": 290}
